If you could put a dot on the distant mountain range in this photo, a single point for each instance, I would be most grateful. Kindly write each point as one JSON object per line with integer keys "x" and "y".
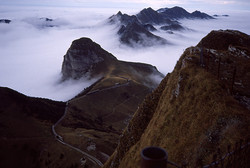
{"x": 137, "y": 30}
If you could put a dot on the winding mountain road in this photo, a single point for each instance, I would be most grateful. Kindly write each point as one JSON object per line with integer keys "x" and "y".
{"x": 60, "y": 138}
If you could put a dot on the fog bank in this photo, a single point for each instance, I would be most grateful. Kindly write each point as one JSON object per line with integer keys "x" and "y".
{"x": 32, "y": 49}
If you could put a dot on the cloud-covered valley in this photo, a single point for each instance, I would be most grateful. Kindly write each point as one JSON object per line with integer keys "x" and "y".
{"x": 32, "y": 46}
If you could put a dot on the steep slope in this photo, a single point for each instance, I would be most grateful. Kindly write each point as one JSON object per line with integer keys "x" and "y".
{"x": 26, "y": 139}
{"x": 192, "y": 112}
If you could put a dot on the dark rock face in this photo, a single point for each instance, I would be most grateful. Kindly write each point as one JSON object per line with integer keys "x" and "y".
{"x": 172, "y": 27}
{"x": 85, "y": 57}
{"x": 7, "y": 21}
{"x": 135, "y": 33}
{"x": 124, "y": 19}
{"x": 149, "y": 27}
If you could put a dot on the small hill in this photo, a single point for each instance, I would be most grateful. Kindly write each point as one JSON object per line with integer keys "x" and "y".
{"x": 195, "y": 110}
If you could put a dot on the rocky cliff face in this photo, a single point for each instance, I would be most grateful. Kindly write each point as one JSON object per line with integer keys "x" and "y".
{"x": 193, "y": 112}
{"x": 85, "y": 58}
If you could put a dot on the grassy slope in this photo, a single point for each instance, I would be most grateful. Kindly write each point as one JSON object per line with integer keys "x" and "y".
{"x": 190, "y": 125}
{"x": 101, "y": 116}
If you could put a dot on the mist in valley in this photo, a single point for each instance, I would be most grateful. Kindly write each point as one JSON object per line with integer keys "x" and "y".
{"x": 32, "y": 47}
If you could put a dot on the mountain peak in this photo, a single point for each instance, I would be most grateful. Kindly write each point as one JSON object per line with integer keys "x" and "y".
{"x": 150, "y": 16}
{"x": 85, "y": 57}
{"x": 119, "y": 13}
{"x": 201, "y": 15}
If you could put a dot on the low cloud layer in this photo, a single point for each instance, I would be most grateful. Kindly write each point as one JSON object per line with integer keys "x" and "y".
{"x": 32, "y": 49}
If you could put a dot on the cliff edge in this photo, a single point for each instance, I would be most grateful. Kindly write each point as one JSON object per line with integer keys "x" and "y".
{"x": 195, "y": 109}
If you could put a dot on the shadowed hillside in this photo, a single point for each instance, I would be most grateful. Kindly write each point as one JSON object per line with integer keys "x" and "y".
{"x": 26, "y": 138}
{"x": 193, "y": 111}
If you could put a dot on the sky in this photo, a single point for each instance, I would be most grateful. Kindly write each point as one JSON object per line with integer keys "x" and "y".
{"x": 205, "y": 5}
{"x": 31, "y": 54}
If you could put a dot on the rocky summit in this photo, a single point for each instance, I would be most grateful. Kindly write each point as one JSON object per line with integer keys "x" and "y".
{"x": 85, "y": 58}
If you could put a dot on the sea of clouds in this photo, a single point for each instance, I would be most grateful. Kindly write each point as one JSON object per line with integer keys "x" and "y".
{"x": 32, "y": 49}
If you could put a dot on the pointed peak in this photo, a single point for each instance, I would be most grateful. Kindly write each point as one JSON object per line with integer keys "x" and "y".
{"x": 119, "y": 13}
